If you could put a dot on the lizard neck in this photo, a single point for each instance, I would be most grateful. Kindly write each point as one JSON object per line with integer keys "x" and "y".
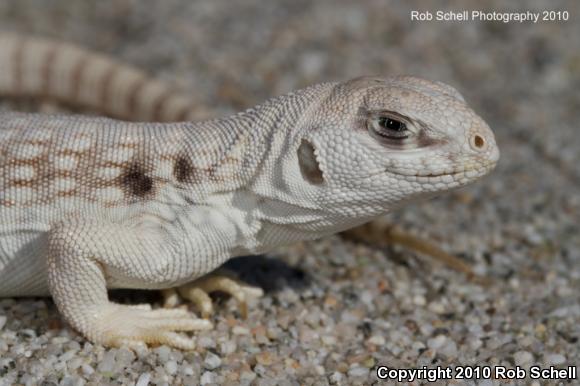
{"x": 226, "y": 170}
{"x": 229, "y": 154}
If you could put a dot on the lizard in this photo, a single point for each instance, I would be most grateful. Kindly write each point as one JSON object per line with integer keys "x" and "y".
{"x": 89, "y": 203}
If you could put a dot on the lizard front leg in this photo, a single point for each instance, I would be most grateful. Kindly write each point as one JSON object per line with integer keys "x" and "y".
{"x": 83, "y": 257}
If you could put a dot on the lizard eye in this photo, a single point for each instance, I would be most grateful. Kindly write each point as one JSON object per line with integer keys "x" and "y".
{"x": 389, "y": 127}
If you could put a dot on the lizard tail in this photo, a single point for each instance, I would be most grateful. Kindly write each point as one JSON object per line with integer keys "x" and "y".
{"x": 34, "y": 67}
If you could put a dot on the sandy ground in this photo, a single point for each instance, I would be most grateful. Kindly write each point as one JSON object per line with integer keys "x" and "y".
{"x": 335, "y": 310}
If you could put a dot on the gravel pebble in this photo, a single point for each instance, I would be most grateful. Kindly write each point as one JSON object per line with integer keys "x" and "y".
{"x": 171, "y": 367}
{"x": 238, "y": 330}
{"x": 554, "y": 359}
{"x": 143, "y": 379}
{"x": 108, "y": 362}
{"x": 437, "y": 342}
{"x": 523, "y": 358}
{"x": 376, "y": 340}
{"x": 358, "y": 372}
{"x": 163, "y": 353}
{"x": 335, "y": 378}
{"x": 207, "y": 378}
{"x": 212, "y": 361}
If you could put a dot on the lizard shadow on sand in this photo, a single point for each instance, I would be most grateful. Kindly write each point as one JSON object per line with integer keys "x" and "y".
{"x": 272, "y": 275}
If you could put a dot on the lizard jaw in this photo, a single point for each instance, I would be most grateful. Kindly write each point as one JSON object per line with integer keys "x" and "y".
{"x": 452, "y": 178}
{"x": 473, "y": 169}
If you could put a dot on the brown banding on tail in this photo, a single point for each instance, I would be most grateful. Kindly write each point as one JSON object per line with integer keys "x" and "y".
{"x": 34, "y": 67}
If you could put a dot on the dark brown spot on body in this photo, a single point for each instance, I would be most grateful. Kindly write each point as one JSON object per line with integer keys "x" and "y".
{"x": 182, "y": 169}
{"x": 68, "y": 193}
{"x": 136, "y": 181}
{"x": 22, "y": 183}
{"x": 112, "y": 164}
{"x": 212, "y": 173}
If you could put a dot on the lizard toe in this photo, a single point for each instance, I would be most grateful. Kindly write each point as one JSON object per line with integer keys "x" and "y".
{"x": 198, "y": 292}
{"x": 126, "y": 325}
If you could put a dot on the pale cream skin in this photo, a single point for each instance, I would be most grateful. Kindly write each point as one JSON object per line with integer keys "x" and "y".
{"x": 89, "y": 203}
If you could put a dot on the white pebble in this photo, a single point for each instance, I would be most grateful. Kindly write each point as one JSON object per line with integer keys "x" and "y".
{"x": 449, "y": 350}
{"x": 212, "y": 361}
{"x": 87, "y": 369}
{"x": 358, "y": 372}
{"x": 143, "y": 379}
{"x": 228, "y": 347}
{"x": 187, "y": 370}
{"x": 419, "y": 300}
{"x": 335, "y": 378}
{"x": 436, "y": 307}
{"x": 437, "y": 342}
{"x": 239, "y": 330}
{"x": 367, "y": 297}
{"x": 248, "y": 376}
{"x": 207, "y": 378}
{"x": 570, "y": 311}
{"x": 74, "y": 363}
{"x": 163, "y": 353}
{"x": 328, "y": 340}
{"x": 2, "y": 321}
{"x": 555, "y": 359}
{"x": 171, "y": 367}
{"x": 108, "y": 363}
{"x": 474, "y": 343}
{"x": 125, "y": 356}
{"x": 522, "y": 358}
{"x": 377, "y": 340}
{"x": 67, "y": 356}
{"x": 71, "y": 381}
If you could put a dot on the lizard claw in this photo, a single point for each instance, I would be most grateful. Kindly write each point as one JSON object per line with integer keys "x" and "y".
{"x": 198, "y": 291}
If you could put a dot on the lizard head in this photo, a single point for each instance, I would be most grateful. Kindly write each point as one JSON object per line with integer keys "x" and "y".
{"x": 374, "y": 143}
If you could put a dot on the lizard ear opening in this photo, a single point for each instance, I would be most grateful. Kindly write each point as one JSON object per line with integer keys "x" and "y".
{"x": 308, "y": 163}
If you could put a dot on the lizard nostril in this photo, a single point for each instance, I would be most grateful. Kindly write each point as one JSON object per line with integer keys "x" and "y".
{"x": 477, "y": 141}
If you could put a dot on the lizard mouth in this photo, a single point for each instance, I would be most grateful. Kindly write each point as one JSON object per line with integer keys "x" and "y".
{"x": 469, "y": 171}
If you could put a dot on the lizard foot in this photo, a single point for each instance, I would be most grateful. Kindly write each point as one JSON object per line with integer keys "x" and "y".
{"x": 382, "y": 235}
{"x": 136, "y": 325}
{"x": 198, "y": 291}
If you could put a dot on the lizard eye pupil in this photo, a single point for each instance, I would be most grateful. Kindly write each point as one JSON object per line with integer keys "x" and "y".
{"x": 388, "y": 127}
{"x": 392, "y": 124}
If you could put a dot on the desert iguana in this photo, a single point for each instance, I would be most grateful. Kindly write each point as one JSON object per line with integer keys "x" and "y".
{"x": 91, "y": 203}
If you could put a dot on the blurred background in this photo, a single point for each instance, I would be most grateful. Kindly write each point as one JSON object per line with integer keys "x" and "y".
{"x": 340, "y": 308}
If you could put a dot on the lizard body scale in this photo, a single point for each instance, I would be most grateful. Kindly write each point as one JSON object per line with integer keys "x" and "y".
{"x": 91, "y": 203}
